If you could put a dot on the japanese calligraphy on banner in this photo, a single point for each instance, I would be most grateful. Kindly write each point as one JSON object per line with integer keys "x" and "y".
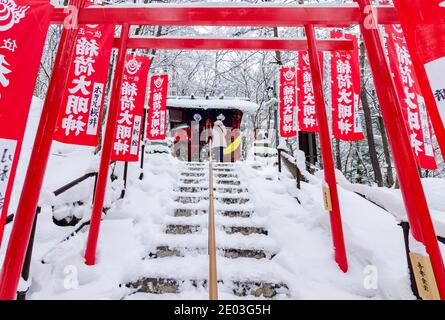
{"x": 413, "y": 103}
{"x": 307, "y": 117}
{"x": 157, "y": 110}
{"x": 80, "y": 116}
{"x": 129, "y": 121}
{"x": 288, "y": 102}
{"x": 23, "y": 28}
{"x": 345, "y": 87}
{"x": 428, "y": 39}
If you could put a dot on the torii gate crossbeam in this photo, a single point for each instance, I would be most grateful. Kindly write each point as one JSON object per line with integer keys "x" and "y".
{"x": 231, "y": 16}
{"x": 269, "y": 44}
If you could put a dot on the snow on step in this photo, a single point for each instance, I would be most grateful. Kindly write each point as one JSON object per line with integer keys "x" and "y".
{"x": 151, "y": 288}
{"x": 230, "y": 190}
{"x": 223, "y": 199}
{"x": 201, "y": 184}
{"x": 193, "y": 174}
{"x": 200, "y": 208}
{"x": 225, "y": 174}
{"x": 242, "y": 277}
{"x": 186, "y": 228}
{"x": 202, "y": 194}
{"x": 184, "y": 212}
{"x": 202, "y": 220}
{"x": 219, "y": 206}
{"x": 234, "y": 253}
{"x": 196, "y": 267}
{"x": 255, "y": 242}
{"x": 222, "y": 170}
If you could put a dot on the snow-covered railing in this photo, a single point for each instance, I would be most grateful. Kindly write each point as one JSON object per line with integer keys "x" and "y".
{"x": 21, "y": 295}
{"x": 74, "y": 183}
{"x": 291, "y": 164}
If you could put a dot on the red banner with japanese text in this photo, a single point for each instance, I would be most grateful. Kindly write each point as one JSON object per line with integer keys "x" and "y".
{"x": 413, "y": 103}
{"x": 307, "y": 117}
{"x": 23, "y": 28}
{"x": 345, "y": 88}
{"x": 127, "y": 136}
{"x": 80, "y": 116}
{"x": 288, "y": 102}
{"x": 423, "y": 24}
{"x": 157, "y": 109}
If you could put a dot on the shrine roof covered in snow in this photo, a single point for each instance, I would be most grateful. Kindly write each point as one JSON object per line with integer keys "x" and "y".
{"x": 213, "y": 103}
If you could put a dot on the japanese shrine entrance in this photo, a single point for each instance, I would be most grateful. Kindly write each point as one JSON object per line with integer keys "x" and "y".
{"x": 237, "y": 16}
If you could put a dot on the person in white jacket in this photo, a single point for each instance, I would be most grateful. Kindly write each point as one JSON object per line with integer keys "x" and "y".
{"x": 219, "y": 142}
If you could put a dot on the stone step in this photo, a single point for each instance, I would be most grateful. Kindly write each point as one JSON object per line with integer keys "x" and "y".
{"x": 227, "y": 182}
{"x": 223, "y": 170}
{"x": 191, "y": 164}
{"x": 193, "y": 174}
{"x": 192, "y": 189}
{"x": 225, "y": 175}
{"x": 192, "y": 181}
{"x": 180, "y": 212}
{"x": 232, "y": 200}
{"x": 220, "y": 199}
{"x": 180, "y": 229}
{"x": 186, "y": 212}
{"x": 232, "y": 253}
{"x": 240, "y": 288}
{"x": 245, "y": 230}
{"x": 187, "y": 199}
{"x": 224, "y": 165}
{"x": 235, "y": 213}
{"x": 230, "y": 190}
{"x": 197, "y": 168}
{"x": 223, "y": 190}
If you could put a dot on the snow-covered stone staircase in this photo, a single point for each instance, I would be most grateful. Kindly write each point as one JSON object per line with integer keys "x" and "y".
{"x": 178, "y": 262}
{"x": 263, "y": 154}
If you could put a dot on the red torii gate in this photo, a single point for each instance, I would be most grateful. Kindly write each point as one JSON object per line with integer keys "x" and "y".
{"x": 260, "y": 16}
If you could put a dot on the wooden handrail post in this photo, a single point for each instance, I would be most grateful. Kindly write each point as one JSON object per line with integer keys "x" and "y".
{"x": 213, "y": 278}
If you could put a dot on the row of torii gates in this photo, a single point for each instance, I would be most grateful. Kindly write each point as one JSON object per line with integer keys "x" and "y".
{"x": 309, "y": 17}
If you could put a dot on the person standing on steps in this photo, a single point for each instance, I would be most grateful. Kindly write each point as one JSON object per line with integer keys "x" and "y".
{"x": 219, "y": 132}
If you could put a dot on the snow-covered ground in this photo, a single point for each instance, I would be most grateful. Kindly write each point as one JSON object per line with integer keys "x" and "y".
{"x": 299, "y": 233}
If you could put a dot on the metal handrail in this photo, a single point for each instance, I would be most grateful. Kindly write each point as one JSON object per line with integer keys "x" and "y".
{"x": 74, "y": 183}
{"x": 61, "y": 190}
{"x": 213, "y": 278}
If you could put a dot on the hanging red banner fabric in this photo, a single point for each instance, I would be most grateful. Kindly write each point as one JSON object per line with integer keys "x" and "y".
{"x": 423, "y": 23}
{"x": 157, "y": 109}
{"x": 80, "y": 116}
{"x": 414, "y": 107}
{"x": 23, "y": 28}
{"x": 345, "y": 87}
{"x": 129, "y": 121}
{"x": 288, "y": 102}
{"x": 307, "y": 118}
